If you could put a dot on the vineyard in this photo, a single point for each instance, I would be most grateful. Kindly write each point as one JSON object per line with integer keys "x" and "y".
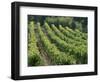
{"x": 51, "y": 44}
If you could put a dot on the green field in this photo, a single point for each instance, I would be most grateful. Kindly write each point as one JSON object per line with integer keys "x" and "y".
{"x": 56, "y": 40}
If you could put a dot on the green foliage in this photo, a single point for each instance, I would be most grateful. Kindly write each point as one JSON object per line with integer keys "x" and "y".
{"x": 64, "y": 39}
{"x": 33, "y": 53}
{"x": 57, "y": 57}
{"x": 70, "y": 49}
{"x": 68, "y": 34}
{"x": 65, "y": 21}
{"x": 34, "y": 59}
{"x": 30, "y": 18}
{"x": 78, "y": 26}
{"x": 79, "y": 23}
